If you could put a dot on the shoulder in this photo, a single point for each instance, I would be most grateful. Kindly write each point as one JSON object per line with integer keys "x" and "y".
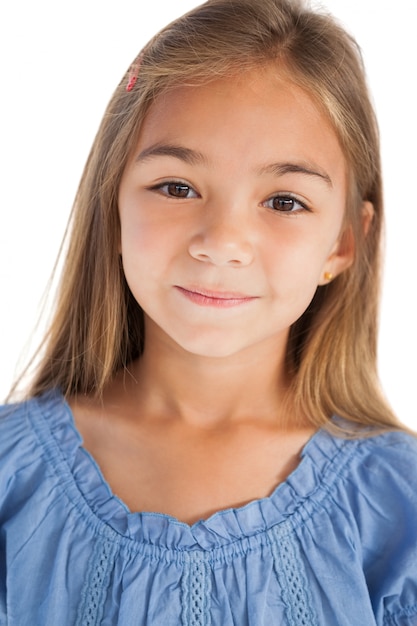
{"x": 377, "y": 490}
{"x": 20, "y": 422}
{"x": 386, "y": 464}
{"x": 362, "y": 514}
{"x": 392, "y": 443}
{"x": 27, "y": 431}
{"x": 42, "y": 524}
{"x": 14, "y": 428}
{"x": 378, "y": 475}
{"x": 391, "y": 457}
{"x": 382, "y": 481}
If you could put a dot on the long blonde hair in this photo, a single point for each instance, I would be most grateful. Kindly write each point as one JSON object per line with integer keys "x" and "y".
{"x": 97, "y": 327}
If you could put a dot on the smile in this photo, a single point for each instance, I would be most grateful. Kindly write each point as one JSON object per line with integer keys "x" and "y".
{"x": 218, "y": 299}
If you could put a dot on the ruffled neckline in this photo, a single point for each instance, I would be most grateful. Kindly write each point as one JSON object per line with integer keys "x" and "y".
{"x": 292, "y": 500}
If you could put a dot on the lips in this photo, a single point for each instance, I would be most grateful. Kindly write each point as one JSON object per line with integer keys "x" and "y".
{"x": 219, "y": 299}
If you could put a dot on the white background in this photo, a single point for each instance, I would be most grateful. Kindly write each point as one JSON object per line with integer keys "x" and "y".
{"x": 59, "y": 63}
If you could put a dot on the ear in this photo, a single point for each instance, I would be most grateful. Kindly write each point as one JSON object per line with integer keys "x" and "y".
{"x": 343, "y": 253}
{"x": 368, "y": 213}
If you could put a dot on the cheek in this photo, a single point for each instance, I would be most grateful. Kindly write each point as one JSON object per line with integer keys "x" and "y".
{"x": 139, "y": 238}
{"x": 297, "y": 258}
{"x": 137, "y": 250}
{"x": 148, "y": 249}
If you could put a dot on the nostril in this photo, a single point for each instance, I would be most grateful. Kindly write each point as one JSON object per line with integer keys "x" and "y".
{"x": 222, "y": 257}
{"x": 222, "y": 248}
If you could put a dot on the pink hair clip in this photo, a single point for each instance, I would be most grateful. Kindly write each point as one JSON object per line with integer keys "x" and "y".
{"x": 133, "y": 73}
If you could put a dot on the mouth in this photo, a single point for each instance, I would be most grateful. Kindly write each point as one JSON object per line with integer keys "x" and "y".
{"x": 219, "y": 299}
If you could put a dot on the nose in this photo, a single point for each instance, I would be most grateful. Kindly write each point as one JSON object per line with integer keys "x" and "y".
{"x": 223, "y": 237}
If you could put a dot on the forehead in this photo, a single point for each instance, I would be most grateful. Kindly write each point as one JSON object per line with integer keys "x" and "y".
{"x": 255, "y": 116}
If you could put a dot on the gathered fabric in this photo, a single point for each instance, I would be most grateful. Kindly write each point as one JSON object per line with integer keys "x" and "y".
{"x": 336, "y": 543}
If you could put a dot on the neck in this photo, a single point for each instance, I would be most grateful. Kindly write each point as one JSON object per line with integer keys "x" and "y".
{"x": 209, "y": 391}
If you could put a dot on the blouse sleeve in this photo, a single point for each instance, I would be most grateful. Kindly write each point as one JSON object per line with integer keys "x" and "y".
{"x": 386, "y": 513}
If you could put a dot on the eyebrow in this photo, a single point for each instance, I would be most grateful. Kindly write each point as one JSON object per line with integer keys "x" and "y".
{"x": 193, "y": 157}
{"x": 179, "y": 152}
{"x": 280, "y": 169}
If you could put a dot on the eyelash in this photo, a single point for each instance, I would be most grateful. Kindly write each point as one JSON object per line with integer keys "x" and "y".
{"x": 286, "y": 198}
{"x": 175, "y": 183}
{"x": 281, "y": 197}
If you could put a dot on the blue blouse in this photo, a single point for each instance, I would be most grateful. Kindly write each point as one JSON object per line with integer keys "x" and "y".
{"x": 335, "y": 544}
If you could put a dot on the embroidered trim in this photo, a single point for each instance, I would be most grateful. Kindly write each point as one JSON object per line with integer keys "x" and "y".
{"x": 288, "y": 565}
{"x": 196, "y": 588}
{"x": 96, "y": 582}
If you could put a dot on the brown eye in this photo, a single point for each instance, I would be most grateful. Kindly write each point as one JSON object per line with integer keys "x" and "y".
{"x": 179, "y": 190}
{"x": 175, "y": 189}
{"x": 285, "y": 204}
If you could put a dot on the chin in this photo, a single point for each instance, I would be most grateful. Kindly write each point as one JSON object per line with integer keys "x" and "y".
{"x": 212, "y": 351}
{"x": 211, "y": 346}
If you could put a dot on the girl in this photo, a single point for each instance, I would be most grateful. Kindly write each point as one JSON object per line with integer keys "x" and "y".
{"x": 204, "y": 440}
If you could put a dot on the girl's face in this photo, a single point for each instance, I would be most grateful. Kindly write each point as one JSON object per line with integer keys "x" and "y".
{"x": 231, "y": 212}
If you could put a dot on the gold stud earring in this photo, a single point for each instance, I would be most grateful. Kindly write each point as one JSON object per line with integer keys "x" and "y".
{"x": 328, "y": 276}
